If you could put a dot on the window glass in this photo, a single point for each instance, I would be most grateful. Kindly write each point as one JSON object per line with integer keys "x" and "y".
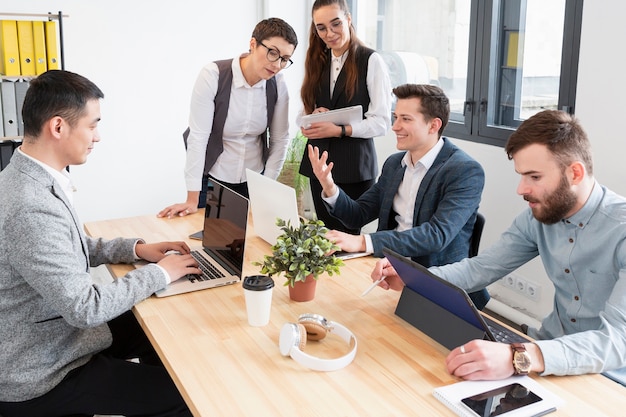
{"x": 525, "y": 59}
{"x": 499, "y": 61}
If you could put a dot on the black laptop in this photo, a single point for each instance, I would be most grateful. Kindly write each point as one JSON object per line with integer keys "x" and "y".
{"x": 443, "y": 310}
{"x": 223, "y": 241}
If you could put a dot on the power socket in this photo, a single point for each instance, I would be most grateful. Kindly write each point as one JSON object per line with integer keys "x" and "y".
{"x": 533, "y": 291}
{"x": 522, "y": 286}
{"x": 509, "y": 281}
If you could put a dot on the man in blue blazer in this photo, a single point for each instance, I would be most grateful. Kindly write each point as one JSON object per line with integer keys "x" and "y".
{"x": 426, "y": 197}
{"x": 65, "y": 340}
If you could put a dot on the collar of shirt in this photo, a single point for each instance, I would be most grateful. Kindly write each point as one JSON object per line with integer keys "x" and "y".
{"x": 63, "y": 177}
{"x": 239, "y": 81}
{"x": 582, "y": 216}
{"x": 427, "y": 160}
{"x": 336, "y": 64}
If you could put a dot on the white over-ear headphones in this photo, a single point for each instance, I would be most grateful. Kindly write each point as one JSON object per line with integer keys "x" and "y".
{"x": 293, "y": 337}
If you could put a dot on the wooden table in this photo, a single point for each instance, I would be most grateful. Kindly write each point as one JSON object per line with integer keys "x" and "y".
{"x": 224, "y": 367}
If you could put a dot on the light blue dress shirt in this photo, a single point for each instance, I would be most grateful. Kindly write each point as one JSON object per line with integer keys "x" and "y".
{"x": 585, "y": 258}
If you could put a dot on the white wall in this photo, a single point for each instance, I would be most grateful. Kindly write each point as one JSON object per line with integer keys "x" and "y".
{"x": 145, "y": 56}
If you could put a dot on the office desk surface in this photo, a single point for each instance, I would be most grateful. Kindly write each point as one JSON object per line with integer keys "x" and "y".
{"x": 224, "y": 367}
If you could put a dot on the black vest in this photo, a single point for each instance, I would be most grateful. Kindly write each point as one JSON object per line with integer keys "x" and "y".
{"x": 355, "y": 158}
{"x": 215, "y": 147}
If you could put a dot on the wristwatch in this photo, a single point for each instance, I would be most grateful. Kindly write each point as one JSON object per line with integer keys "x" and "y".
{"x": 521, "y": 359}
{"x": 343, "y": 131}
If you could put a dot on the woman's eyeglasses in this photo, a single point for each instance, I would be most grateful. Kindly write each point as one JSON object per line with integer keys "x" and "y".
{"x": 273, "y": 55}
{"x": 336, "y": 26}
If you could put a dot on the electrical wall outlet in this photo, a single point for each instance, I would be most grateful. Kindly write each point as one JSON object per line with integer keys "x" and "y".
{"x": 533, "y": 291}
{"x": 522, "y": 286}
{"x": 509, "y": 281}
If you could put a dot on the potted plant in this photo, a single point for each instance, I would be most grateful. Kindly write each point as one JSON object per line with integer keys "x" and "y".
{"x": 301, "y": 253}
{"x": 290, "y": 175}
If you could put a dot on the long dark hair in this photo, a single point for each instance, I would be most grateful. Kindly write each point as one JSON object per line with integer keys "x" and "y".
{"x": 318, "y": 56}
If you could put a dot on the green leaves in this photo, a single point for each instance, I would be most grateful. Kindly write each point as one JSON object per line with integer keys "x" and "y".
{"x": 301, "y": 251}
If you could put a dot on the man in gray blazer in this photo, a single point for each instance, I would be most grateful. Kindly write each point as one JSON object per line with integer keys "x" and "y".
{"x": 426, "y": 197}
{"x": 65, "y": 340}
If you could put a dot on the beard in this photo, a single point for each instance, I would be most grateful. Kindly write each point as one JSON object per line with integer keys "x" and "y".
{"x": 554, "y": 207}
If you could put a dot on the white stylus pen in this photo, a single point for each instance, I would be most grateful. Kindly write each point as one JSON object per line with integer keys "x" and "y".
{"x": 374, "y": 285}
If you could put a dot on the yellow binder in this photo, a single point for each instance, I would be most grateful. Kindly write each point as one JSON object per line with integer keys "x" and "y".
{"x": 39, "y": 42}
{"x": 26, "y": 47}
{"x": 9, "y": 51}
{"x": 52, "y": 50}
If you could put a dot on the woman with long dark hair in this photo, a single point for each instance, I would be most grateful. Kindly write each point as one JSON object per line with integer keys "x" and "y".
{"x": 340, "y": 71}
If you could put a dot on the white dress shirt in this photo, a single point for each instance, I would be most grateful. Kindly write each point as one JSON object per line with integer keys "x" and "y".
{"x": 246, "y": 120}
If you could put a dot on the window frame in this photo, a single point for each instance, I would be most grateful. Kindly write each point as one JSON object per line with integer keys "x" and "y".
{"x": 475, "y": 127}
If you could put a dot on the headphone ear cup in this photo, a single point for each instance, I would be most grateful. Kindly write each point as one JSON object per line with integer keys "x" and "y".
{"x": 314, "y": 331}
{"x": 303, "y": 336}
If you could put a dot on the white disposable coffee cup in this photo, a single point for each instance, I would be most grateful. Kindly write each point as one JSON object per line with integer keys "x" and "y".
{"x": 258, "y": 293}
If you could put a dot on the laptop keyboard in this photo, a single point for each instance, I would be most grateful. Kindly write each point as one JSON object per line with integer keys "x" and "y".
{"x": 504, "y": 335}
{"x": 228, "y": 255}
{"x": 208, "y": 270}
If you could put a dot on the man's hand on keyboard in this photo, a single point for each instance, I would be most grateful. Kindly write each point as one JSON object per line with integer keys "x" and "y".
{"x": 154, "y": 252}
{"x": 178, "y": 266}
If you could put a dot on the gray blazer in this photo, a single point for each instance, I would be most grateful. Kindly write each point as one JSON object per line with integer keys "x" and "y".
{"x": 444, "y": 213}
{"x": 53, "y": 318}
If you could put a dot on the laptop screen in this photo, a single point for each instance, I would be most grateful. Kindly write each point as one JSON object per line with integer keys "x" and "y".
{"x": 225, "y": 222}
{"x": 447, "y": 295}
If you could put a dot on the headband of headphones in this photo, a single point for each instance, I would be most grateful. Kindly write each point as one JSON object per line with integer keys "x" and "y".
{"x": 293, "y": 337}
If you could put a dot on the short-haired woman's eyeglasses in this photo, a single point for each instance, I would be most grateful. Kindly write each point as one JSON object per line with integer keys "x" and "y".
{"x": 273, "y": 55}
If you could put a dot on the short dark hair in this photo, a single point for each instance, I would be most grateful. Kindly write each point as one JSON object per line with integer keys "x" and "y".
{"x": 434, "y": 101}
{"x": 274, "y": 26}
{"x": 560, "y": 132}
{"x": 56, "y": 93}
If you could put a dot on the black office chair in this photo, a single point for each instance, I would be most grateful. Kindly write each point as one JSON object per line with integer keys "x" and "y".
{"x": 476, "y": 235}
{"x": 480, "y": 298}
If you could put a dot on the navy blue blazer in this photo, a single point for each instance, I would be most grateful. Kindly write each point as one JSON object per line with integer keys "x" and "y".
{"x": 445, "y": 208}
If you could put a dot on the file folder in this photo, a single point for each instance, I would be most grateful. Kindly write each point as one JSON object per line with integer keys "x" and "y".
{"x": 52, "y": 49}
{"x": 6, "y": 151}
{"x": 20, "y": 93}
{"x": 9, "y": 50}
{"x": 1, "y": 117}
{"x": 26, "y": 47}
{"x": 39, "y": 44}
{"x": 9, "y": 110}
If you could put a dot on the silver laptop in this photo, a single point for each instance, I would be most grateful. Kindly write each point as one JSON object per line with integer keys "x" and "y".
{"x": 223, "y": 242}
{"x": 269, "y": 200}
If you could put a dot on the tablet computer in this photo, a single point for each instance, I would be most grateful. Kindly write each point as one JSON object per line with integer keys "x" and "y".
{"x": 343, "y": 116}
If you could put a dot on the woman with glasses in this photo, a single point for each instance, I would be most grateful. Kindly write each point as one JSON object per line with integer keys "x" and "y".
{"x": 340, "y": 71}
{"x": 234, "y": 103}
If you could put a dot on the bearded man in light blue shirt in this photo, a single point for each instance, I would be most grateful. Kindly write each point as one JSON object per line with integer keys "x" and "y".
{"x": 578, "y": 228}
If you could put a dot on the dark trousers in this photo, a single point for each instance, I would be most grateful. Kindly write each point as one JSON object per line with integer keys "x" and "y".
{"x": 354, "y": 190}
{"x": 109, "y": 384}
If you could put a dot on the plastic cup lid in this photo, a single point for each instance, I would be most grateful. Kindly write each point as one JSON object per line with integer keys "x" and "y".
{"x": 258, "y": 283}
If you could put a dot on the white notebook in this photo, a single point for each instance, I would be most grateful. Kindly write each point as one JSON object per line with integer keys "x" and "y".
{"x": 517, "y": 396}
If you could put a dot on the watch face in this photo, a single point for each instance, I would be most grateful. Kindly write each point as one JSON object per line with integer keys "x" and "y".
{"x": 522, "y": 362}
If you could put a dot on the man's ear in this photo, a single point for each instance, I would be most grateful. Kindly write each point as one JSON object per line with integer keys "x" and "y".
{"x": 435, "y": 125}
{"x": 54, "y": 126}
{"x": 577, "y": 170}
